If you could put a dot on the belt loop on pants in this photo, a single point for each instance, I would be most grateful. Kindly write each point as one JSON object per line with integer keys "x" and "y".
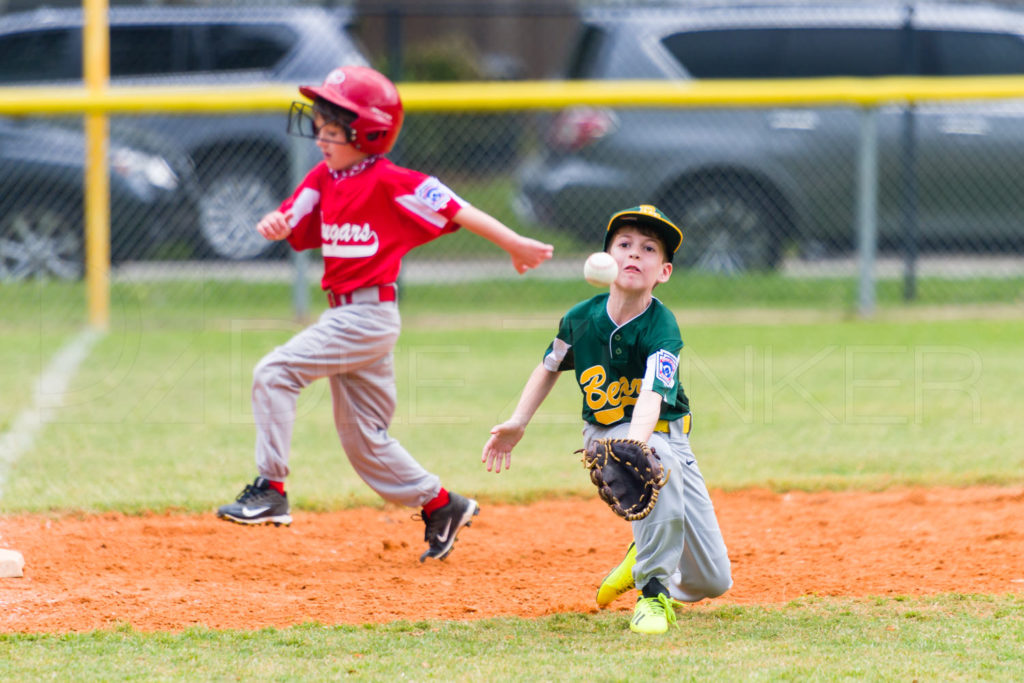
{"x": 374, "y": 294}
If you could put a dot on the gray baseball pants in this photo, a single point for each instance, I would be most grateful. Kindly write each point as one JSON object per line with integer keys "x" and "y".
{"x": 679, "y": 543}
{"x": 352, "y": 346}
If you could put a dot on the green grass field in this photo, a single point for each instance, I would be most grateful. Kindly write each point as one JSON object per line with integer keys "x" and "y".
{"x": 955, "y": 637}
{"x": 787, "y": 393}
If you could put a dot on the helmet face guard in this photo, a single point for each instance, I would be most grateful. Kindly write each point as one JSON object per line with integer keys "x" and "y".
{"x": 302, "y": 123}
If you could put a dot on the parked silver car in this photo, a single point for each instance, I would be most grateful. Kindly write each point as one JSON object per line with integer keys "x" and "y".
{"x": 749, "y": 184}
{"x": 244, "y": 162}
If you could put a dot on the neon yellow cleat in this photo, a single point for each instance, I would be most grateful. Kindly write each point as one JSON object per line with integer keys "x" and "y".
{"x": 653, "y": 615}
{"x": 619, "y": 580}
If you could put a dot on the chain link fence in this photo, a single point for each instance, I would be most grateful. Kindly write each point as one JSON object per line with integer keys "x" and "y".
{"x": 767, "y": 197}
{"x": 950, "y": 233}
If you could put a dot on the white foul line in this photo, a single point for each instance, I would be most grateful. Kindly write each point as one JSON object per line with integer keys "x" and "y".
{"x": 48, "y": 396}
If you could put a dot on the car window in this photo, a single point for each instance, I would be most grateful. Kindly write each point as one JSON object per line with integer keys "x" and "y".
{"x": 144, "y": 50}
{"x": 822, "y": 52}
{"x": 239, "y": 48}
{"x": 966, "y": 53}
{"x": 40, "y": 56}
{"x": 583, "y": 58}
{"x": 787, "y": 53}
{"x": 728, "y": 53}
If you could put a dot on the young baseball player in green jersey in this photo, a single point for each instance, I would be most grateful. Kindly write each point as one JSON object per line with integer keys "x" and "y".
{"x": 624, "y": 348}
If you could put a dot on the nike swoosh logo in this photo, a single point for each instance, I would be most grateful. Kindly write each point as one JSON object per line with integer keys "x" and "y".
{"x": 252, "y": 512}
{"x": 443, "y": 538}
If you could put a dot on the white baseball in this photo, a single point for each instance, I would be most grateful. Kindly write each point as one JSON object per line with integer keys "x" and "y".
{"x": 600, "y": 269}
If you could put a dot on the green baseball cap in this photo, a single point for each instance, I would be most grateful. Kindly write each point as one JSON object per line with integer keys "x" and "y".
{"x": 648, "y": 215}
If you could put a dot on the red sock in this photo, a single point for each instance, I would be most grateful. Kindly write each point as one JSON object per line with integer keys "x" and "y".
{"x": 276, "y": 485}
{"x": 439, "y": 502}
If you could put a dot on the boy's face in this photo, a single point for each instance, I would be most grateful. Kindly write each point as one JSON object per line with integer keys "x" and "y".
{"x": 641, "y": 260}
{"x": 332, "y": 141}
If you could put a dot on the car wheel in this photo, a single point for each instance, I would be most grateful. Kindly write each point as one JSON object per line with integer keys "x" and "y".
{"x": 229, "y": 208}
{"x": 40, "y": 242}
{"x": 728, "y": 227}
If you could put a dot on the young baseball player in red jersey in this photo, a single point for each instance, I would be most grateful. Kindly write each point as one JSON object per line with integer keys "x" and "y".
{"x": 364, "y": 213}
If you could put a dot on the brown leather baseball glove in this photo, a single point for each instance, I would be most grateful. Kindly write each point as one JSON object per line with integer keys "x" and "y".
{"x": 628, "y": 475}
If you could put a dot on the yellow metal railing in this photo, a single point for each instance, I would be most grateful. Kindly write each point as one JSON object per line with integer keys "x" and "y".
{"x": 96, "y": 61}
{"x": 519, "y": 95}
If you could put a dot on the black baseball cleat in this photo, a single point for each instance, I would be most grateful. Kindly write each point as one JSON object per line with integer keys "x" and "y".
{"x": 258, "y": 504}
{"x": 444, "y": 525}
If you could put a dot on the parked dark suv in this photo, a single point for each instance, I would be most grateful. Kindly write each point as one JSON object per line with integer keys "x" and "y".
{"x": 152, "y": 205}
{"x": 244, "y": 162}
{"x": 746, "y": 184}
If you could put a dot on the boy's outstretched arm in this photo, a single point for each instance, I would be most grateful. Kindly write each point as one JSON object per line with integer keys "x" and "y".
{"x": 506, "y": 435}
{"x": 646, "y": 413}
{"x": 526, "y": 252}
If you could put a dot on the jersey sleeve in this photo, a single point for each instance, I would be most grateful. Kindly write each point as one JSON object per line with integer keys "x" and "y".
{"x": 663, "y": 347}
{"x": 430, "y": 202}
{"x": 660, "y": 374}
{"x": 559, "y": 355}
{"x": 304, "y": 205}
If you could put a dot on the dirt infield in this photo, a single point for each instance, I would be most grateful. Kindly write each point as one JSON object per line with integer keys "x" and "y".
{"x": 170, "y": 572}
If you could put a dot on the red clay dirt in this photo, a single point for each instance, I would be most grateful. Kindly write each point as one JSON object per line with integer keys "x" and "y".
{"x": 170, "y": 572}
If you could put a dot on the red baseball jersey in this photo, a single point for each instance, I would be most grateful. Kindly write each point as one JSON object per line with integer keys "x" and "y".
{"x": 365, "y": 219}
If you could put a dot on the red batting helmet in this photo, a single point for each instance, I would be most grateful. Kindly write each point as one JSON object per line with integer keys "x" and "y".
{"x": 374, "y": 100}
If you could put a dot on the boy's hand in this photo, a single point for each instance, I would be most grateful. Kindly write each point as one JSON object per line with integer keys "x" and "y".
{"x": 504, "y": 438}
{"x": 275, "y": 226}
{"x": 529, "y": 253}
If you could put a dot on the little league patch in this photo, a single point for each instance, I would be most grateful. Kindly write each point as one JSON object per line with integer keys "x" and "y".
{"x": 666, "y": 365}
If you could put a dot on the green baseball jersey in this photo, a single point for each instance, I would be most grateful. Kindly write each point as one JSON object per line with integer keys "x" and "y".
{"x": 614, "y": 363}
